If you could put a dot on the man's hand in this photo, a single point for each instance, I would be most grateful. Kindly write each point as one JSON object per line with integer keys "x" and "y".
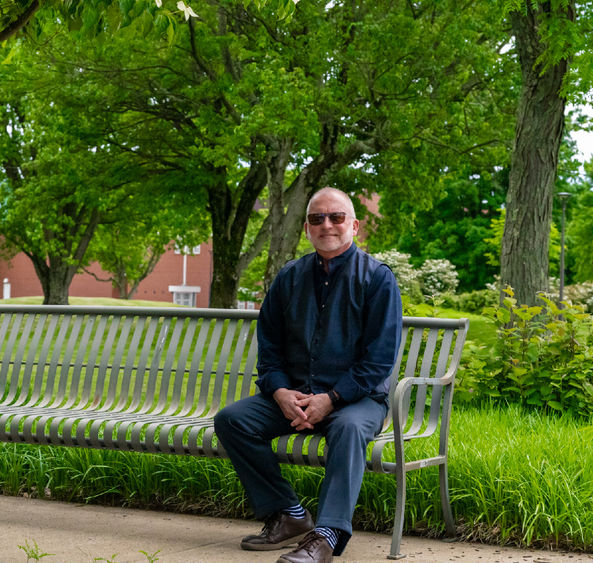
{"x": 316, "y": 407}
{"x": 287, "y": 400}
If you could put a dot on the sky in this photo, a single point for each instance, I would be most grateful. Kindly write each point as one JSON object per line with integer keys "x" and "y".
{"x": 584, "y": 139}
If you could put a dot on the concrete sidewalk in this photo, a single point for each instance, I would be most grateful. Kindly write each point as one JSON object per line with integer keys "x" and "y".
{"x": 80, "y": 534}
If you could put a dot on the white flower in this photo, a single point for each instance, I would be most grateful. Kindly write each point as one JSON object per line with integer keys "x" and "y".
{"x": 186, "y": 10}
{"x": 159, "y": 3}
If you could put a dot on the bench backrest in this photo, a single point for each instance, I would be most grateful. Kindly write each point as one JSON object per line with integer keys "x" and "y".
{"x": 174, "y": 360}
{"x": 157, "y": 360}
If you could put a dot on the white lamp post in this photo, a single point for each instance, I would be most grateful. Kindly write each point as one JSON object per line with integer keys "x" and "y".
{"x": 563, "y": 198}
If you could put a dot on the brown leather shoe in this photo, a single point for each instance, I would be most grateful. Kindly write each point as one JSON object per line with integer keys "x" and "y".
{"x": 313, "y": 548}
{"x": 279, "y": 531}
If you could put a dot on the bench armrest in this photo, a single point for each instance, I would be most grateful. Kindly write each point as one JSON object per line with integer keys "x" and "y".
{"x": 402, "y": 403}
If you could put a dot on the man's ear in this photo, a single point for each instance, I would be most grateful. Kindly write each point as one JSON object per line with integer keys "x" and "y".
{"x": 355, "y": 225}
{"x": 307, "y": 234}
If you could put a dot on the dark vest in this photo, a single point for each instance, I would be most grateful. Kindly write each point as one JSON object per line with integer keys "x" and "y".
{"x": 323, "y": 342}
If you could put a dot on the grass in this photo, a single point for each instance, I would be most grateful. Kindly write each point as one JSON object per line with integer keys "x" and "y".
{"x": 482, "y": 330}
{"x": 95, "y": 301}
{"x": 515, "y": 478}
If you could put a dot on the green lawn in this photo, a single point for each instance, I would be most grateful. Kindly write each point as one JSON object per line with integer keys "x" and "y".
{"x": 98, "y": 301}
{"x": 482, "y": 330}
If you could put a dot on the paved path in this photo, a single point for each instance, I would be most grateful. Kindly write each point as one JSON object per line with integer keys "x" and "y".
{"x": 81, "y": 534}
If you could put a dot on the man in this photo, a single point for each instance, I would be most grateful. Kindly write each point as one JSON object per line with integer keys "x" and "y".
{"x": 328, "y": 334}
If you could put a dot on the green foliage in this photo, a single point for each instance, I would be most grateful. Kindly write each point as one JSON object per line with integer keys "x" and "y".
{"x": 580, "y": 237}
{"x": 542, "y": 358}
{"x": 471, "y": 301}
{"x": 458, "y": 225}
{"x": 564, "y": 29}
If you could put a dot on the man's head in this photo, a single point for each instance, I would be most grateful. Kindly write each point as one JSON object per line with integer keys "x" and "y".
{"x": 331, "y": 223}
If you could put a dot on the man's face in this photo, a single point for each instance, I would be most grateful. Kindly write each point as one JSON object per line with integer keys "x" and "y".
{"x": 331, "y": 239}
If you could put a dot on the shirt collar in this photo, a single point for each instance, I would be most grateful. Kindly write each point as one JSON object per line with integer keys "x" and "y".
{"x": 336, "y": 261}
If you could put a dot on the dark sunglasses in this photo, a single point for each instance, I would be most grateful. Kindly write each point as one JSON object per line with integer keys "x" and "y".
{"x": 336, "y": 217}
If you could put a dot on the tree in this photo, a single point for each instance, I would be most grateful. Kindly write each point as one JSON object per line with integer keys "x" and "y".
{"x": 60, "y": 181}
{"x": 130, "y": 249}
{"x": 548, "y": 36}
{"x": 15, "y": 15}
{"x": 469, "y": 91}
{"x": 55, "y": 186}
{"x": 241, "y": 102}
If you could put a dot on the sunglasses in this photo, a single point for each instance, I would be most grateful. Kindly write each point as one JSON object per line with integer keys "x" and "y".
{"x": 336, "y": 217}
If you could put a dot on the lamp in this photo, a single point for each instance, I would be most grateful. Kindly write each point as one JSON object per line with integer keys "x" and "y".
{"x": 563, "y": 198}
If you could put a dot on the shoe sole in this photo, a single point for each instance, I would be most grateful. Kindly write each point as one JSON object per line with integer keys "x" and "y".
{"x": 272, "y": 546}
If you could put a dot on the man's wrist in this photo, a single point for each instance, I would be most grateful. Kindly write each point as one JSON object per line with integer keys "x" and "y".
{"x": 334, "y": 397}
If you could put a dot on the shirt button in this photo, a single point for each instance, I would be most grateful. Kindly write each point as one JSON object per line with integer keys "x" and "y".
{"x": 326, "y": 283}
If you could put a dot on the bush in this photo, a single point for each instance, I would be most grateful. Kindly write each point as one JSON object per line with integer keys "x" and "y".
{"x": 471, "y": 301}
{"x": 580, "y": 293}
{"x": 438, "y": 277}
{"x": 477, "y": 301}
{"x": 434, "y": 278}
{"x": 543, "y": 358}
{"x": 407, "y": 277}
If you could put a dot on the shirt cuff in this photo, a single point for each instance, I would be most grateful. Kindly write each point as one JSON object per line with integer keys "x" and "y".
{"x": 349, "y": 391}
{"x": 271, "y": 382}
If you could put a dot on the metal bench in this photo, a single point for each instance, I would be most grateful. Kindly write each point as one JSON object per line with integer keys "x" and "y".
{"x": 151, "y": 380}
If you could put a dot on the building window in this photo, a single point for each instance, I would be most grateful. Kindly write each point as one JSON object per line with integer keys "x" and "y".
{"x": 184, "y": 298}
{"x": 194, "y": 250}
{"x": 249, "y": 305}
{"x": 185, "y": 294}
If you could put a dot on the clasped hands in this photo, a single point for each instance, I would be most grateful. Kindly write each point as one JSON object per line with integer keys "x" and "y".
{"x": 304, "y": 410}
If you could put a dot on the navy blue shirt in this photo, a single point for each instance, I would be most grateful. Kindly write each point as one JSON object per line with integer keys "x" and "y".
{"x": 338, "y": 330}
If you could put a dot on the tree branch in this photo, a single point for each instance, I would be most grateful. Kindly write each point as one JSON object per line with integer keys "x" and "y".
{"x": 21, "y": 22}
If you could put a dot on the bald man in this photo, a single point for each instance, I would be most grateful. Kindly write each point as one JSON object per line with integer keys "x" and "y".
{"x": 328, "y": 334}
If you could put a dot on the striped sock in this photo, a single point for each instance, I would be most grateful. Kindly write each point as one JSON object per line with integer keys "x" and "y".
{"x": 329, "y": 534}
{"x": 296, "y": 511}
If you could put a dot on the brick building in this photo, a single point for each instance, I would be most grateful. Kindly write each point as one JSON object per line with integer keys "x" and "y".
{"x": 177, "y": 278}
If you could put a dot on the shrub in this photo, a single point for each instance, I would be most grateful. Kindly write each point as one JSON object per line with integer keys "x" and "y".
{"x": 407, "y": 277}
{"x": 438, "y": 277}
{"x": 434, "y": 278}
{"x": 543, "y": 358}
{"x": 476, "y": 301}
{"x": 471, "y": 301}
{"x": 580, "y": 293}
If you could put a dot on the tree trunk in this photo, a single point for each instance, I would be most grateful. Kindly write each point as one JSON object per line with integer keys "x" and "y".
{"x": 230, "y": 212}
{"x": 534, "y": 163}
{"x": 55, "y": 272}
{"x": 55, "y": 279}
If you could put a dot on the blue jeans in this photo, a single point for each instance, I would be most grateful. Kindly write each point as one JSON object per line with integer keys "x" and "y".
{"x": 246, "y": 429}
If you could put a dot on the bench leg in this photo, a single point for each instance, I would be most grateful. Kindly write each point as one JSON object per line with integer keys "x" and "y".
{"x": 445, "y": 501}
{"x": 400, "y": 505}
